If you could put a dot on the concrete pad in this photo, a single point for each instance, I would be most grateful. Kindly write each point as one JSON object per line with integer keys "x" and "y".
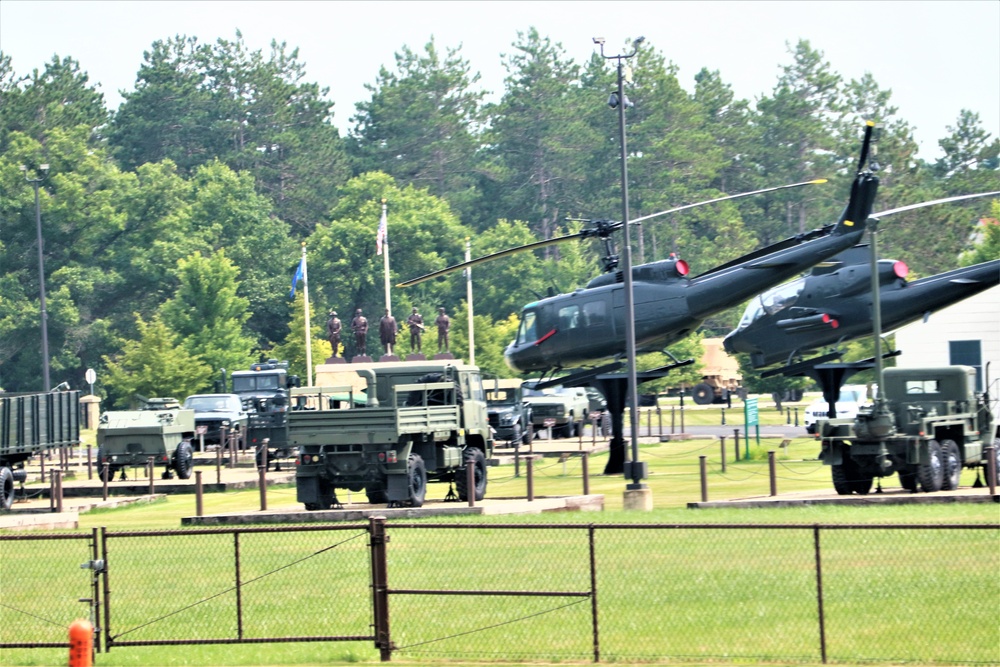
{"x": 638, "y": 499}
{"x": 894, "y": 496}
{"x": 362, "y": 511}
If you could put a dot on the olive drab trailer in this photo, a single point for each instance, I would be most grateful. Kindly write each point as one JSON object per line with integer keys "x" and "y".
{"x": 925, "y": 426}
{"x": 32, "y": 423}
{"x": 389, "y": 428}
{"x": 161, "y": 431}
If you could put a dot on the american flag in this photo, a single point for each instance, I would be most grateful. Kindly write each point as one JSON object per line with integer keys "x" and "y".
{"x": 383, "y": 233}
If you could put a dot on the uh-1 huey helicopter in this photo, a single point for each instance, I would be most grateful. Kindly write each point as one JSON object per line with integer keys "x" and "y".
{"x": 832, "y": 305}
{"x": 584, "y": 328}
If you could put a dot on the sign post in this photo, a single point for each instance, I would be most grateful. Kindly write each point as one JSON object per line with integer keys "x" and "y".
{"x": 91, "y": 378}
{"x": 750, "y": 418}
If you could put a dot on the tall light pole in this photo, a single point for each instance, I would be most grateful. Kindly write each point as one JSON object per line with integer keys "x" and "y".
{"x": 619, "y": 101}
{"x": 41, "y": 272}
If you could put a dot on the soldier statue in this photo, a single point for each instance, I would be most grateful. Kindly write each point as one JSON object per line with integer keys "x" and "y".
{"x": 443, "y": 324}
{"x": 359, "y": 325}
{"x": 387, "y": 331}
{"x": 416, "y": 322}
{"x": 333, "y": 327}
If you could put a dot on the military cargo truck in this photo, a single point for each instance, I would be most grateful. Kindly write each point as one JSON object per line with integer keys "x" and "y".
{"x": 925, "y": 425}
{"x": 264, "y": 392}
{"x": 162, "y": 430}
{"x": 32, "y": 423}
{"x": 419, "y": 421}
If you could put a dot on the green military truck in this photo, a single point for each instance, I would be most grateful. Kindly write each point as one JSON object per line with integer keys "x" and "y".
{"x": 264, "y": 392}
{"x": 161, "y": 430}
{"x": 389, "y": 428}
{"x": 926, "y": 425}
{"x": 32, "y": 423}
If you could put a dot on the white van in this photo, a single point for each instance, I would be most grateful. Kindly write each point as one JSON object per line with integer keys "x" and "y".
{"x": 852, "y": 397}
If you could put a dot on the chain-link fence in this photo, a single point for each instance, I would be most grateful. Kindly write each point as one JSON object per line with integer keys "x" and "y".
{"x": 532, "y": 592}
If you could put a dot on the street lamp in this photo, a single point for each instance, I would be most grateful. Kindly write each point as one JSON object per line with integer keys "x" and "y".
{"x": 44, "y": 168}
{"x": 633, "y": 469}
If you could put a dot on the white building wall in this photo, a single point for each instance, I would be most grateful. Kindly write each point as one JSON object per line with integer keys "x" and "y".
{"x": 977, "y": 318}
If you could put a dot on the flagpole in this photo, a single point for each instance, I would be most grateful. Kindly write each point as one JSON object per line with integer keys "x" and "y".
{"x": 305, "y": 299}
{"x": 468, "y": 299}
{"x": 385, "y": 258}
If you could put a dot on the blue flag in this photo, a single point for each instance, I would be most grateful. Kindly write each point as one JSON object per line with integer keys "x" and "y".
{"x": 297, "y": 277}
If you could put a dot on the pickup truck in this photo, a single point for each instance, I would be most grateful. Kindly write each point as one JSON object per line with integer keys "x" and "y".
{"x": 509, "y": 413}
{"x": 567, "y": 407}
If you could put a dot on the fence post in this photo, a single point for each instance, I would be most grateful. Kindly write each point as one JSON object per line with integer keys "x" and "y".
{"x": 531, "y": 479}
{"x": 151, "y": 467}
{"x": 736, "y": 443}
{"x": 991, "y": 469}
{"x": 59, "y": 490}
{"x": 41, "y": 458}
{"x": 723, "y": 423}
{"x": 673, "y": 419}
{"x": 52, "y": 492}
{"x": 593, "y": 593}
{"x": 107, "y": 474}
{"x": 218, "y": 464}
{"x": 704, "y": 478}
{"x": 380, "y": 593}
{"x": 586, "y": 473}
{"x": 819, "y": 593}
{"x": 199, "y": 495}
{"x": 262, "y": 482}
{"x": 772, "y": 473}
{"x": 470, "y": 481}
{"x": 90, "y": 463}
{"x": 722, "y": 451}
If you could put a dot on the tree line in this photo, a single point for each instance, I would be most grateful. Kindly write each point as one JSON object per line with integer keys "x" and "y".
{"x": 172, "y": 225}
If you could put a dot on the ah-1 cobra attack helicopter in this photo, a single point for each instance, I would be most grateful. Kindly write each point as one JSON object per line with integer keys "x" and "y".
{"x": 587, "y": 326}
{"x": 832, "y": 305}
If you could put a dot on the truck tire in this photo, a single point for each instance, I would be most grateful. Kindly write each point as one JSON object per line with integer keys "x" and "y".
{"x": 527, "y": 434}
{"x": 376, "y": 494}
{"x": 416, "y": 480}
{"x": 183, "y": 460}
{"x": 930, "y": 470}
{"x": 6, "y": 488}
{"x": 908, "y": 480}
{"x": 325, "y": 497}
{"x": 951, "y": 463}
{"x": 703, "y": 394}
{"x": 478, "y": 459}
{"x": 100, "y": 467}
{"x": 848, "y": 478}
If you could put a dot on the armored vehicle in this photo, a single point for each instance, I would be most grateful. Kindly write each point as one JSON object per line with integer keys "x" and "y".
{"x": 32, "y": 423}
{"x": 162, "y": 430}
{"x": 509, "y": 413}
{"x": 213, "y": 412}
{"x": 567, "y": 407}
{"x": 419, "y": 421}
{"x": 925, "y": 425}
{"x": 264, "y": 392}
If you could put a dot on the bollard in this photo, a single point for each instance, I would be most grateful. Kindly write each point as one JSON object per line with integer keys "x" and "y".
{"x": 586, "y": 473}
{"x": 722, "y": 451}
{"x": 517, "y": 460}
{"x": 772, "y": 473}
{"x": 199, "y": 495}
{"x": 81, "y": 644}
{"x": 57, "y": 474}
{"x": 470, "y": 481}
{"x": 682, "y": 415}
{"x": 593, "y": 430}
{"x": 201, "y": 442}
{"x": 107, "y": 475}
{"x": 736, "y": 443}
{"x": 41, "y": 458}
{"x": 649, "y": 423}
{"x": 991, "y": 469}
{"x": 264, "y": 452}
{"x": 796, "y": 416}
{"x": 52, "y": 492}
{"x": 704, "y": 478}
{"x": 788, "y": 416}
{"x": 262, "y": 481}
{"x": 90, "y": 463}
{"x": 723, "y": 423}
{"x": 673, "y": 419}
{"x": 151, "y": 467}
{"x": 227, "y": 442}
{"x": 218, "y": 464}
{"x": 659, "y": 419}
{"x": 531, "y": 479}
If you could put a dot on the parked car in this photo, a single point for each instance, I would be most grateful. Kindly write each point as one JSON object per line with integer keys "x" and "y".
{"x": 509, "y": 413}
{"x": 852, "y": 397}
{"x": 213, "y": 411}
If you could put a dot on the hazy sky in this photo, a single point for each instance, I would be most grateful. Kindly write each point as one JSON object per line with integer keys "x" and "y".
{"x": 936, "y": 57}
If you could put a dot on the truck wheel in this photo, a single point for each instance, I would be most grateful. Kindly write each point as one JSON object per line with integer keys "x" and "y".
{"x": 930, "y": 471}
{"x": 951, "y": 462}
{"x": 6, "y": 488}
{"x": 100, "y": 467}
{"x": 908, "y": 480}
{"x": 376, "y": 494}
{"x": 416, "y": 482}
{"x": 848, "y": 478}
{"x": 183, "y": 460}
{"x": 526, "y": 435}
{"x": 703, "y": 394}
{"x": 478, "y": 459}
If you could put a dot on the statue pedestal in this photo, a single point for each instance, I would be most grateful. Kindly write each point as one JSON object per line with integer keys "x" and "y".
{"x": 416, "y": 357}
{"x": 361, "y": 359}
{"x": 91, "y": 410}
{"x": 388, "y": 357}
{"x": 444, "y": 355}
{"x": 336, "y": 360}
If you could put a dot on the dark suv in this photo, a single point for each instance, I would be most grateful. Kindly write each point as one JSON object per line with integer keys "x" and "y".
{"x": 509, "y": 414}
{"x": 213, "y": 411}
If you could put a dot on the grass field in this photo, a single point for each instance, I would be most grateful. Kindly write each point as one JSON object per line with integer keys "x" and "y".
{"x": 692, "y": 593}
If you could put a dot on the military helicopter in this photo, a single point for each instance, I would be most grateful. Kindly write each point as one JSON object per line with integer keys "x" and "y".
{"x": 833, "y": 305}
{"x": 587, "y": 326}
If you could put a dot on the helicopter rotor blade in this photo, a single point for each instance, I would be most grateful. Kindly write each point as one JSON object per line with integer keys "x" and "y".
{"x": 488, "y": 258}
{"x": 934, "y": 202}
{"x": 726, "y": 198}
{"x": 866, "y": 144}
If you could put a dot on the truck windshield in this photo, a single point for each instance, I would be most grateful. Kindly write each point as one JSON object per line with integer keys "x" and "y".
{"x": 245, "y": 383}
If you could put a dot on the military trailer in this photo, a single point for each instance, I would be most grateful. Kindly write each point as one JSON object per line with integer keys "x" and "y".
{"x": 32, "y": 423}
{"x": 387, "y": 430}
{"x": 264, "y": 392}
{"x": 162, "y": 430}
{"x": 925, "y": 425}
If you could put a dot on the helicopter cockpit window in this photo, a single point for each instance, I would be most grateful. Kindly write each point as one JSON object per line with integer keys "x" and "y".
{"x": 569, "y": 317}
{"x": 781, "y": 297}
{"x": 593, "y": 314}
{"x": 526, "y": 333}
